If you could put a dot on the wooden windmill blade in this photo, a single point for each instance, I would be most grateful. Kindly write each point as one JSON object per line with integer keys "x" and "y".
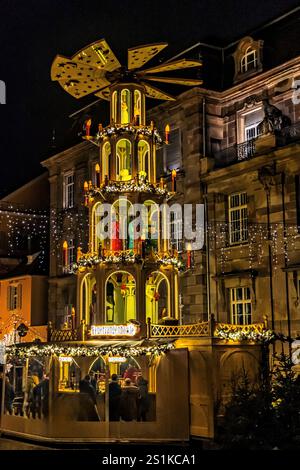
{"x": 98, "y": 55}
{"x": 153, "y": 92}
{"x": 167, "y": 66}
{"x": 139, "y": 56}
{"x": 176, "y": 81}
{"x": 104, "y": 94}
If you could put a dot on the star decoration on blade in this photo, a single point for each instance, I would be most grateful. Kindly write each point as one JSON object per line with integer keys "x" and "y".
{"x": 95, "y": 68}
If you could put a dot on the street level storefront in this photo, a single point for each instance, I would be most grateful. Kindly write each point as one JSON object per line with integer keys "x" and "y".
{"x": 161, "y": 388}
{"x": 50, "y": 402}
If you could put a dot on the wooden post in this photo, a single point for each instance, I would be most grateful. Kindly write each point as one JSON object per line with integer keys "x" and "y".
{"x": 83, "y": 331}
{"x": 212, "y": 324}
{"x": 148, "y": 327}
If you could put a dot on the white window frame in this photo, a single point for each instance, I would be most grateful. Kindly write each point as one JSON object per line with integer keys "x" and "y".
{"x": 244, "y": 302}
{"x": 238, "y": 218}
{"x": 69, "y": 190}
{"x": 176, "y": 232}
{"x": 14, "y": 296}
{"x": 250, "y": 57}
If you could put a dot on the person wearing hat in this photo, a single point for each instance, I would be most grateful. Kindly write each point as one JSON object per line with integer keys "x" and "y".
{"x": 129, "y": 401}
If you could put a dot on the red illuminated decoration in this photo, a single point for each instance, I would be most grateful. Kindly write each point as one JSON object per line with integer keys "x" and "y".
{"x": 97, "y": 171}
{"x": 65, "y": 253}
{"x": 88, "y": 124}
{"x": 174, "y": 174}
{"x": 167, "y": 134}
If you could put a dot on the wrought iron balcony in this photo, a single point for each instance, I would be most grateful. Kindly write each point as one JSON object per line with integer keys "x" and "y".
{"x": 234, "y": 154}
{"x": 247, "y": 150}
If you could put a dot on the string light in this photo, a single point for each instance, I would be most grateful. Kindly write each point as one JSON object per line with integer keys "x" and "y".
{"x": 46, "y": 350}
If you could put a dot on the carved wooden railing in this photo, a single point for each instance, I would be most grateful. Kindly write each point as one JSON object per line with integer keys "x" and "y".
{"x": 165, "y": 331}
{"x": 227, "y": 331}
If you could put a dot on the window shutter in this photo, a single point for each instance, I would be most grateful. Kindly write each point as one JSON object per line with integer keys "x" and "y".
{"x": 19, "y": 296}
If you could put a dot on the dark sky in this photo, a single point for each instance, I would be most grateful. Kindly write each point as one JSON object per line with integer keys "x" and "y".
{"x": 32, "y": 32}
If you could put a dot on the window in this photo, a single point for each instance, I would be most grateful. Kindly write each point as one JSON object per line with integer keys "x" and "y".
{"x": 68, "y": 254}
{"x": 238, "y": 218}
{"x": 240, "y": 306}
{"x": 123, "y": 169}
{"x": 106, "y": 153}
{"x": 249, "y": 60}
{"x": 125, "y": 107}
{"x": 176, "y": 231}
{"x": 69, "y": 187}
{"x": 14, "y": 297}
{"x": 114, "y": 106}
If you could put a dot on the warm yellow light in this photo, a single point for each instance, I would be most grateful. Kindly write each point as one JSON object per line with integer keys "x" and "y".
{"x": 65, "y": 245}
{"x": 97, "y": 168}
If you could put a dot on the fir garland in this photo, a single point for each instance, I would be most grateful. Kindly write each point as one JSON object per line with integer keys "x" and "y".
{"x": 47, "y": 350}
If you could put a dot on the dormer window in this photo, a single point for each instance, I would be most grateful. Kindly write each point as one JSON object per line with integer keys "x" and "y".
{"x": 247, "y": 58}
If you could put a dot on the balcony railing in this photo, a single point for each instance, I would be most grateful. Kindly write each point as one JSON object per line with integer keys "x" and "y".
{"x": 224, "y": 331}
{"x": 247, "y": 150}
{"x": 234, "y": 154}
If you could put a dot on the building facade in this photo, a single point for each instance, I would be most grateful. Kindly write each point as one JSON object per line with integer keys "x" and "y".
{"x": 121, "y": 305}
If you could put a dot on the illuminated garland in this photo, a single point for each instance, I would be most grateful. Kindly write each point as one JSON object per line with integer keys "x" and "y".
{"x": 90, "y": 261}
{"x": 126, "y": 187}
{"x": 138, "y": 130}
{"x": 47, "y": 350}
{"x": 252, "y": 334}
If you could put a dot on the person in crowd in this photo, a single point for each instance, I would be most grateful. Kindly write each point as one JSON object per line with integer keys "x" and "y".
{"x": 41, "y": 397}
{"x": 87, "y": 401}
{"x": 29, "y": 400}
{"x": 143, "y": 399}
{"x": 131, "y": 373}
{"x": 129, "y": 401}
{"x": 9, "y": 396}
{"x": 93, "y": 380}
{"x": 115, "y": 392}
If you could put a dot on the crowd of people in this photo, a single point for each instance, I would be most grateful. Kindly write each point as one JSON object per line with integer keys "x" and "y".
{"x": 128, "y": 401}
{"x": 33, "y": 400}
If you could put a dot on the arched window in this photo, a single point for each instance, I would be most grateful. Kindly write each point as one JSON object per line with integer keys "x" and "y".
{"x": 120, "y": 302}
{"x": 125, "y": 106}
{"x": 96, "y": 233}
{"x": 114, "y": 104}
{"x": 153, "y": 223}
{"x": 144, "y": 159}
{"x": 158, "y": 302}
{"x": 88, "y": 299}
{"x": 106, "y": 152}
{"x": 137, "y": 108}
{"x": 124, "y": 161}
{"x": 249, "y": 60}
{"x": 122, "y": 237}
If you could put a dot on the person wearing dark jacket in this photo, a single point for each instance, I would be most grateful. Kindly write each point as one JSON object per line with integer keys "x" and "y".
{"x": 87, "y": 401}
{"x": 9, "y": 396}
{"x": 115, "y": 392}
{"x": 143, "y": 400}
{"x": 129, "y": 401}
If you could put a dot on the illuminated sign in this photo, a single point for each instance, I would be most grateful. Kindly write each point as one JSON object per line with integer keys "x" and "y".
{"x": 65, "y": 359}
{"x": 116, "y": 359}
{"x": 130, "y": 329}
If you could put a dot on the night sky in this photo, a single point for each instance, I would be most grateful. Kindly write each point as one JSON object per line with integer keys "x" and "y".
{"x": 32, "y": 32}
